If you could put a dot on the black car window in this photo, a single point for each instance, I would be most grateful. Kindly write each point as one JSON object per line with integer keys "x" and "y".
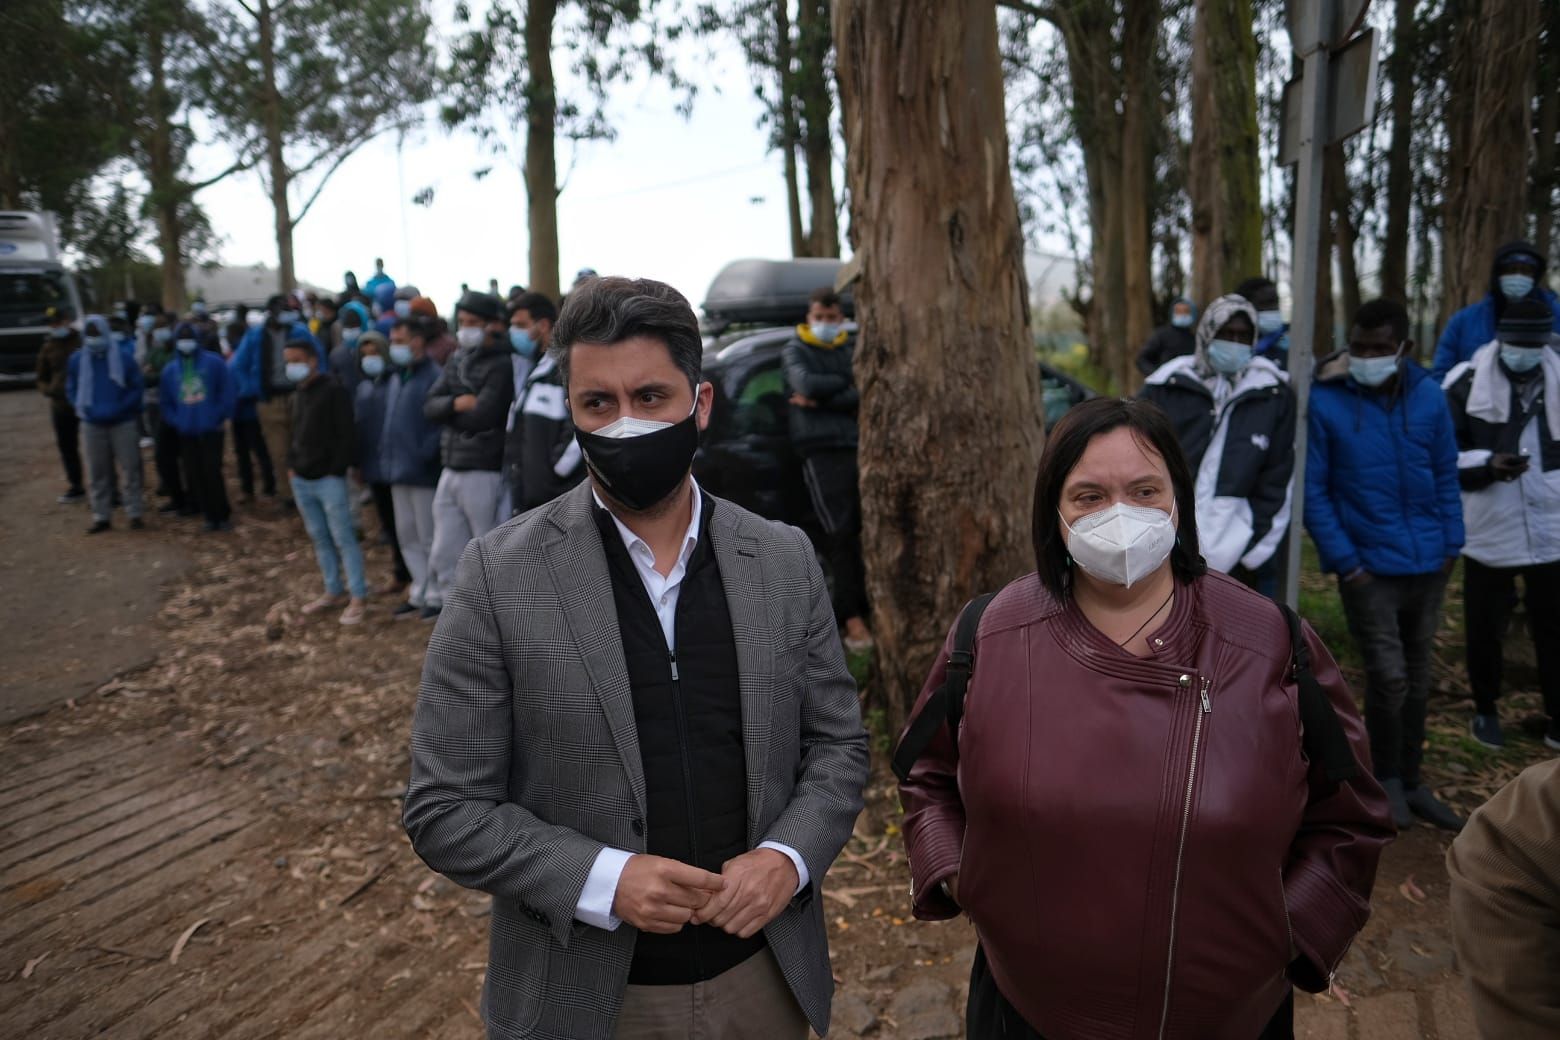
{"x": 758, "y": 406}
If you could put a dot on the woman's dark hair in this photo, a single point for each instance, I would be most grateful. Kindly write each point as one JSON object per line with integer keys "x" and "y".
{"x": 1068, "y": 441}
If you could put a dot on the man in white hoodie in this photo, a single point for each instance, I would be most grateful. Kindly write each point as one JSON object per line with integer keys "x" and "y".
{"x": 1506, "y": 405}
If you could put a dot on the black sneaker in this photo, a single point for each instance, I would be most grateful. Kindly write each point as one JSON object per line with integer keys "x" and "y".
{"x": 99, "y": 526}
{"x": 1402, "y": 818}
{"x": 71, "y": 497}
{"x": 1425, "y": 805}
{"x": 137, "y": 524}
{"x": 1486, "y": 730}
{"x": 406, "y": 612}
{"x": 430, "y": 613}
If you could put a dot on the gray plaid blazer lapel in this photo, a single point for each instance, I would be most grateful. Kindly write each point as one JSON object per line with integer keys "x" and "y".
{"x": 742, "y": 575}
{"x": 579, "y": 573}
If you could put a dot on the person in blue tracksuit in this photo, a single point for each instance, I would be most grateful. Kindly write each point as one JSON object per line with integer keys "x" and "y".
{"x": 198, "y": 398}
{"x": 1517, "y": 273}
{"x": 105, "y": 385}
{"x": 1383, "y": 505}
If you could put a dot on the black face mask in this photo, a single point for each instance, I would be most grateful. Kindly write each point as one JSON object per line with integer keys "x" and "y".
{"x": 641, "y": 472}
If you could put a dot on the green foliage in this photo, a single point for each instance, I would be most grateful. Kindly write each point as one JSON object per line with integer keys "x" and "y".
{"x": 344, "y": 74}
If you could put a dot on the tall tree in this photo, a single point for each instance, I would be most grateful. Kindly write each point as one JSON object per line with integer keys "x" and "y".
{"x": 815, "y": 43}
{"x": 501, "y": 79}
{"x": 948, "y": 451}
{"x": 1546, "y": 131}
{"x": 1490, "y": 132}
{"x": 1112, "y": 108}
{"x": 312, "y": 81}
{"x": 1225, "y": 184}
{"x": 1400, "y": 171}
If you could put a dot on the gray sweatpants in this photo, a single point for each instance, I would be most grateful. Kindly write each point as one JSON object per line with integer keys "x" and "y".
{"x": 107, "y": 447}
{"x": 414, "y": 530}
{"x": 465, "y": 506}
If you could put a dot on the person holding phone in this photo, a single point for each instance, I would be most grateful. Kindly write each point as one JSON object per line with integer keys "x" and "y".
{"x": 1505, "y": 403}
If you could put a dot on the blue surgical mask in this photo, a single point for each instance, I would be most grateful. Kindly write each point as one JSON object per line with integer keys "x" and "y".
{"x": 146, "y": 321}
{"x": 187, "y": 346}
{"x": 63, "y": 332}
{"x": 1516, "y": 286}
{"x": 403, "y": 308}
{"x": 521, "y": 341}
{"x": 297, "y": 371}
{"x": 288, "y": 317}
{"x": 1228, "y": 357}
{"x": 373, "y": 366}
{"x": 401, "y": 354}
{"x": 1373, "y": 371}
{"x": 97, "y": 344}
{"x": 1182, "y": 321}
{"x": 1520, "y": 359}
{"x": 1269, "y": 322}
{"x": 350, "y": 336}
{"x": 162, "y": 336}
{"x": 824, "y": 331}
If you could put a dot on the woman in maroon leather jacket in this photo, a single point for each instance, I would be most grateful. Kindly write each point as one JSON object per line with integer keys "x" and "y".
{"x": 1127, "y": 815}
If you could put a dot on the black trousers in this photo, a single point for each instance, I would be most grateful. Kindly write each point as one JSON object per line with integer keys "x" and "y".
{"x": 203, "y": 467}
{"x": 1488, "y": 593}
{"x": 248, "y": 441}
{"x": 384, "y": 505}
{"x": 836, "y": 498}
{"x": 168, "y": 456}
{"x": 1394, "y": 619}
{"x": 989, "y": 1016}
{"x": 67, "y": 434}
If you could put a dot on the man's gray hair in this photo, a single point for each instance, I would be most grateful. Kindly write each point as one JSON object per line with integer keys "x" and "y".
{"x": 608, "y": 311}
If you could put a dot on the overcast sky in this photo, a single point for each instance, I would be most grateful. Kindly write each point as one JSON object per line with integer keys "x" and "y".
{"x": 670, "y": 198}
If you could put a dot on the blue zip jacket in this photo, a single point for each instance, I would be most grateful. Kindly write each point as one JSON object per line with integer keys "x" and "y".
{"x": 247, "y": 359}
{"x": 216, "y": 393}
{"x": 1381, "y": 488}
{"x": 407, "y": 445}
{"x": 111, "y": 403}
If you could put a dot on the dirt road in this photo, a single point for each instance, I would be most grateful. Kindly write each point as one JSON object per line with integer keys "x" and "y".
{"x": 72, "y": 615}
{"x": 209, "y": 845}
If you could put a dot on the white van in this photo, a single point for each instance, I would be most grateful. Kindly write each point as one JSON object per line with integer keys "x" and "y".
{"x": 32, "y": 279}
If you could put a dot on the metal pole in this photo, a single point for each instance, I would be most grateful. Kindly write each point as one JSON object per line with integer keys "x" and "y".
{"x": 1314, "y": 132}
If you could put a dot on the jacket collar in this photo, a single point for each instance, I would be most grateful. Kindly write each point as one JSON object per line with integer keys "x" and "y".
{"x": 1182, "y": 371}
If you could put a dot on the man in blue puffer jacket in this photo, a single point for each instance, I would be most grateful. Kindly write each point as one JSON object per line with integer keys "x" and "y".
{"x": 1517, "y": 273}
{"x": 104, "y": 384}
{"x": 198, "y": 398}
{"x": 1383, "y": 505}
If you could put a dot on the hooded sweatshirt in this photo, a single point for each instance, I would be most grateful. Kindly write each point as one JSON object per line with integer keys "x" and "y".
{"x": 344, "y": 357}
{"x": 197, "y": 392}
{"x": 1474, "y": 325}
{"x": 104, "y": 386}
{"x": 1238, "y": 433}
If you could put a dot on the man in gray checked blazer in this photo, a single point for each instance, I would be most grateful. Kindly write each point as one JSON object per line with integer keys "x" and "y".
{"x": 636, "y": 729}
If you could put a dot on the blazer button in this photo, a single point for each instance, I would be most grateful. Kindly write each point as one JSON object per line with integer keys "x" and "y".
{"x": 638, "y": 826}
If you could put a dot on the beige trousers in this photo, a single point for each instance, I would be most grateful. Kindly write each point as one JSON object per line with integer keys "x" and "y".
{"x": 276, "y": 427}
{"x": 750, "y": 1002}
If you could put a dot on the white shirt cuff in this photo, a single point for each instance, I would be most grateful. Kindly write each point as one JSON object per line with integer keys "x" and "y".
{"x": 600, "y": 891}
{"x": 796, "y": 860}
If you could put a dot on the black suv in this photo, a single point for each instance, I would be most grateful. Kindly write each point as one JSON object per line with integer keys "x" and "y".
{"x": 746, "y": 453}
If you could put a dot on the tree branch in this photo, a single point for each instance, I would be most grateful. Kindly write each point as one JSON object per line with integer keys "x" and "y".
{"x": 346, "y": 153}
{"x": 250, "y": 11}
{"x": 1044, "y": 12}
{"x": 247, "y": 158}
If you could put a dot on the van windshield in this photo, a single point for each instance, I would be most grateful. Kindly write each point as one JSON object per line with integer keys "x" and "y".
{"x": 32, "y": 290}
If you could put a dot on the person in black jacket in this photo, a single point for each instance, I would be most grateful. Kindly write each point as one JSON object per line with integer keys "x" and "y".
{"x": 542, "y": 460}
{"x": 471, "y": 401}
{"x": 323, "y": 447}
{"x": 1171, "y": 341}
{"x": 819, "y": 368}
{"x": 1235, "y": 417}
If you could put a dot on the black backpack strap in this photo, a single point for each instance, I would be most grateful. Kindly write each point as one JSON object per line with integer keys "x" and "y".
{"x": 946, "y": 704}
{"x": 1323, "y": 738}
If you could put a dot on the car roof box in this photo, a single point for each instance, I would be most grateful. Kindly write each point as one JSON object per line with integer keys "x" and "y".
{"x": 770, "y": 291}
{"x": 28, "y": 237}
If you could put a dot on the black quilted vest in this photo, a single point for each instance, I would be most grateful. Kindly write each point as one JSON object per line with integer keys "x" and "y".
{"x": 688, "y": 712}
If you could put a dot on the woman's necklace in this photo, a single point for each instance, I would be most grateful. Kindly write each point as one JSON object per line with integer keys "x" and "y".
{"x": 1126, "y": 642}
